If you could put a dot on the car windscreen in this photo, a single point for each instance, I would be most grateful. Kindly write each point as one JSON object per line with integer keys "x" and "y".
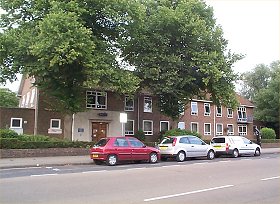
{"x": 102, "y": 142}
{"x": 218, "y": 140}
{"x": 167, "y": 140}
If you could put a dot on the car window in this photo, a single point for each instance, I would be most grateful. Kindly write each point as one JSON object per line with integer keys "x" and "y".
{"x": 195, "y": 140}
{"x": 121, "y": 142}
{"x": 184, "y": 140}
{"x": 102, "y": 142}
{"x": 246, "y": 141}
{"x": 167, "y": 140}
{"x": 135, "y": 143}
{"x": 218, "y": 140}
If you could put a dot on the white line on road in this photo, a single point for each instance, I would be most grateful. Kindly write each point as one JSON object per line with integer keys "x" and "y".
{"x": 224, "y": 161}
{"x": 86, "y": 172}
{"x": 266, "y": 179}
{"x": 187, "y": 193}
{"x": 20, "y": 168}
{"x": 43, "y": 175}
{"x": 136, "y": 168}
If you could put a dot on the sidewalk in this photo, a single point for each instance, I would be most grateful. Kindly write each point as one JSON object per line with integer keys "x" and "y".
{"x": 68, "y": 160}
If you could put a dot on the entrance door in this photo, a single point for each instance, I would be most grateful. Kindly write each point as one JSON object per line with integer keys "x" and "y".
{"x": 99, "y": 130}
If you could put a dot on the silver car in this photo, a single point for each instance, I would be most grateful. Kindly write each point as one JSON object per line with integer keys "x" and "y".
{"x": 181, "y": 147}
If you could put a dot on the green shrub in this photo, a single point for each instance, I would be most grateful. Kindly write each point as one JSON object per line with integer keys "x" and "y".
{"x": 140, "y": 135}
{"x": 37, "y": 138}
{"x": 7, "y": 133}
{"x": 178, "y": 132}
{"x": 268, "y": 133}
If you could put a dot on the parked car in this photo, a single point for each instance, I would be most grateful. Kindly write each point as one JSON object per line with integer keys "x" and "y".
{"x": 114, "y": 149}
{"x": 182, "y": 147}
{"x": 235, "y": 146}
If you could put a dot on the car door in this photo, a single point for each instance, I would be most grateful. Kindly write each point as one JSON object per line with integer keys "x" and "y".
{"x": 198, "y": 147}
{"x": 247, "y": 147}
{"x": 184, "y": 144}
{"x": 138, "y": 150}
{"x": 122, "y": 149}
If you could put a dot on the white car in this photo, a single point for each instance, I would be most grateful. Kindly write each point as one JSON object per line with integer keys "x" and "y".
{"x": 181, "y": 147}
{"x": 235, "y": 146}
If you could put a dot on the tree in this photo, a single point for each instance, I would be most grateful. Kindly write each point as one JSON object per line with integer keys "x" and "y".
{"x": 253, "y": 81}
{"x": 179, "y": 52}
{"x": 267, "y": 101}
{"x": 8, "y": 98}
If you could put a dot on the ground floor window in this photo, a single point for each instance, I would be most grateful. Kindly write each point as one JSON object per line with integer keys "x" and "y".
{"x": 219, "y": 129}
{"x": 242, "y": 129}
{"x": 129, "y": 127}
{"x": 207, "y": 128}
{"x": 55, "y": 124}
{"x": 148, "y": 127}
{"x": 230, "y": 129}
{"x": 164, "y": 126}
{"x": 194, "y": 127}
{"x": 16, "y": 123}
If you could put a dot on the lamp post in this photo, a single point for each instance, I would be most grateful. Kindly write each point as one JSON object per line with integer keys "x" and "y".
{"x": 123, "y": 120}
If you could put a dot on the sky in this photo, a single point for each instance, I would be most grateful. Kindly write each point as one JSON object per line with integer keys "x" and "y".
{"x": 252, "y": 28}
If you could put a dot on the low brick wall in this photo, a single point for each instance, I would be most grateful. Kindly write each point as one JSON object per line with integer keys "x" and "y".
{"x": 20, "y": 153}
{"x": 270, "y": 145}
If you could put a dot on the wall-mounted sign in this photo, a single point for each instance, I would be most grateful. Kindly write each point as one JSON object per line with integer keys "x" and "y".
{"x": 81, "y": 129}
{"x": 103, "y": 114}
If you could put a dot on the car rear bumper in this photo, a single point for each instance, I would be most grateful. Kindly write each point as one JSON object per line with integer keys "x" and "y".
{"x": 226, "y": 152}
{"x": 98, "y": 156}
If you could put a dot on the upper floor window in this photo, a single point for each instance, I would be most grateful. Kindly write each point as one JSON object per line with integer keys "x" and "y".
{"x": 164, "y": 125}
{"x": 148, "y": 104}
{"x": 96, "y": 100}
{"x": 194, "y": 109}
{"x": 207, "y": 110}
{"x": 219, "y": 111}
{"x": 241, "y": 112}
{"x": 242, "y": 129}
{"x": 229, "y": 113}
{"x": 55, "y": 124}
{"x": 16, "y": 123}
{"x": 129, "y": 127}
{"x": 148, "y": 127}
{"x": 129, "y": 104}
{"x": 219, "y": 129}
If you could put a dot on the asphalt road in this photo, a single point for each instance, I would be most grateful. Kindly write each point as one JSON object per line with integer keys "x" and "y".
{"x": 223, "y": 180}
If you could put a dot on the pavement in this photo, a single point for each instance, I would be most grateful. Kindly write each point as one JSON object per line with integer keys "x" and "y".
{"x": 6, "y": 163}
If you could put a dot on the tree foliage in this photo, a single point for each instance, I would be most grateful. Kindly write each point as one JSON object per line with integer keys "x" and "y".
{"x": 8, "y": 98}
{"x": 174, "y": 47}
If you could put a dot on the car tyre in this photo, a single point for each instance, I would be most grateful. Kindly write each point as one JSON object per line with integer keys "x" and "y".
{"x": 97, "y": 162}
{"x": 257, "y": 152}
{"x": 111, "y": 160}
{"x": 210, "y": 154}
{"x": 181, "y": 156}
{"x": 235, "y": 153}
{"x": 153, "y": 158}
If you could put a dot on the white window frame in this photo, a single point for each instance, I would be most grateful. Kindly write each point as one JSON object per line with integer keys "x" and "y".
{"x": 20, "y": 125}
{"x": 230, "y": 133}
{"x": 148, "y": 100}
{"x": 194, "y": 112}
{"x": 148, "y": 132}
{"x": 95, "y": 105}
{"x": 207, "y": 133}
{"x": 217, "y": 113}
{"x": 129, "y": 132}
{"x": 207, "y": 113}
{"x": 219, "y": 133}
{"x": 228, "y": 114}
{"x": 196, "y": 126}
{"x": 128, "y": 108}
{"x": 242, "y": 132}
{"x": 160, "y": 125}
{"x": 242, "y": 110}
{"x": 59, "y": 124}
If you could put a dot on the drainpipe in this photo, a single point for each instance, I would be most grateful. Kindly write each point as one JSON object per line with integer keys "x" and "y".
{"x": 214, "y": 128}
{"x": 36, "y": 111}
{"x": 138, "y": 112}
{"x": 72, "y": 127}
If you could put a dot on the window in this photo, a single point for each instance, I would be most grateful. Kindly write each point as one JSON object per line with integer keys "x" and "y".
{"x": 219, "y": 129}
{"x": 135, "y": 143}
{"x": 241, "y": 112}
{"x": 121, "y": 142}
{"x": 230, "y": 129}
{"x": 55, "y": 124}
{"x": 207, "y": 109}
{"x": 195, "y": 140}
{"x": 129, "y": 104}
{"x": 229, "y": 113}
{"x": 242, "y": 129}
{"x": 194, "y": 109}
{"x": 207, "y": 128}
{"x": 194, "y": 127}
{"x": 148, "y": 104}
{"x": 184, "y": 140}
{"x": 16, "y": 122}
{"x": 129, "y": 127}
{"x": 164, "y": 125}
{"x": 219, "y": 111}
{"x": 96, "y": 100}
{"x": 148, "y": 127}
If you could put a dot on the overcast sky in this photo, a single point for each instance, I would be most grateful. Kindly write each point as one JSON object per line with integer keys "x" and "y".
{"x": 252, "y": 28}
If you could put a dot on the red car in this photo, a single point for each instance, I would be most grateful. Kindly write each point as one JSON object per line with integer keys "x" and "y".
{"x": 114, "y": 149}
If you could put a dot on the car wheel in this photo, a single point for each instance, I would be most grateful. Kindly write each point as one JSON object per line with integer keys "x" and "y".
{"x": 111, "y": 160}
{"x": 210, "y": 155}
{"x": 181, "y": 156}
{"x": 257, "y": 152}
{"x": 153, "y": 158}
{"x": 97, "y": 162}
{"x": 235, "y": 153}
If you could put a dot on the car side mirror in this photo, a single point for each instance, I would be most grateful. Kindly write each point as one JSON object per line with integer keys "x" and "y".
{"x": 144, "y": 146}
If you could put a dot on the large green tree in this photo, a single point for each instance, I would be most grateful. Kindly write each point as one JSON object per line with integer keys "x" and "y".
{"x": 8, "y": 98}
{"x": 174, "y": 48}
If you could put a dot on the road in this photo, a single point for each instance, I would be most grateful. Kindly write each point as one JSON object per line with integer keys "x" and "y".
{"x": 223, "y": 180}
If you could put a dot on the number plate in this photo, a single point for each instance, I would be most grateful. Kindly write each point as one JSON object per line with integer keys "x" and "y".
{"x": 94, "y": 155}
{"x": 163, "y": 148}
